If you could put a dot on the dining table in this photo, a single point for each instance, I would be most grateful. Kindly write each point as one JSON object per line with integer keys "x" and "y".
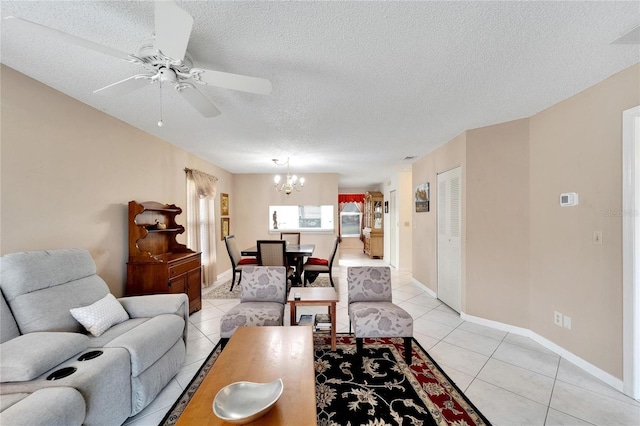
{"x": 295, "y": 254}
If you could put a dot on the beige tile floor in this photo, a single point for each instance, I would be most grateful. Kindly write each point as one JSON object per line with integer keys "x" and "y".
{"x": 511, "y": 379}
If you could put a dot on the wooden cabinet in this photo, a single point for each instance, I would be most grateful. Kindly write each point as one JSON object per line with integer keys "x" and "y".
{"x": 157, "y": 262}
{"x": 373, "y": 224}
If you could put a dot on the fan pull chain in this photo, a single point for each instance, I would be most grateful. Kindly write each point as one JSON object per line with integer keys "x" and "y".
{"x": 160, "y": 123}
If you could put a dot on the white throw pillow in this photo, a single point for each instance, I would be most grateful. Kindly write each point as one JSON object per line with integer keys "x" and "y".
{"x": 101, "y": 315}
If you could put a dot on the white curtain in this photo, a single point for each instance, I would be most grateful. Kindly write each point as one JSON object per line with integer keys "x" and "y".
{"x": 201, "y": 229}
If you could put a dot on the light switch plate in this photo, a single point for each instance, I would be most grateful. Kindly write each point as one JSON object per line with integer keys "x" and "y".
{"x": 597, "y": 238}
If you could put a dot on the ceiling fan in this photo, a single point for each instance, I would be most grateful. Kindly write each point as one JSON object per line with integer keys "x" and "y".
{"x": 165, "y": 59}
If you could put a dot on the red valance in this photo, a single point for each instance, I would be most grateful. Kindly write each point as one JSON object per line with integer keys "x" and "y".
{"x": 350, "y": 198}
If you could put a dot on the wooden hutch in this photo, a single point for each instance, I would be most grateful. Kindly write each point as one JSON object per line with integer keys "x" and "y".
{"x": 157, "y": 262}
{"x": 373, "y": 225}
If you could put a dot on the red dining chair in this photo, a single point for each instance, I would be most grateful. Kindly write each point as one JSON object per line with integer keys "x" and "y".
{"x": 238, "y": 263}
{"x": 315, "y": 265}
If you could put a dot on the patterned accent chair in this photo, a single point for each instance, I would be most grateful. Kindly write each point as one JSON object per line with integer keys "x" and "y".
{"x": 371, "y": 311}
{"x": 264, "y": 294}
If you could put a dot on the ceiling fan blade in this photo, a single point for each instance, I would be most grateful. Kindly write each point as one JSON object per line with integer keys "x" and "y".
{"x": 12, "y": 20}
{"x": 173, "y": 29}
{"x": 197, "y": 100}
{"x": 125, "y": 86}
{"x": 243, "y": 83}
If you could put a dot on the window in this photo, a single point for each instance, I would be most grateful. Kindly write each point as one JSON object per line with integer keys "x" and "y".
{"x": 301, "y": 218}
{"x": 350, "y": 220}
{"x": 201, "y": 224}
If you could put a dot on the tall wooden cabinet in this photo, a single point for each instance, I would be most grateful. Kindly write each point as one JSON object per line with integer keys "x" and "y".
{"x": 157, "y": 262}
{"x": 373, "y": 224}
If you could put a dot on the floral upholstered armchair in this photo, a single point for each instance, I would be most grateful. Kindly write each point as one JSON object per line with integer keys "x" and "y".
{"x": 371, "y": 311}
{"x": 264, "y": 294}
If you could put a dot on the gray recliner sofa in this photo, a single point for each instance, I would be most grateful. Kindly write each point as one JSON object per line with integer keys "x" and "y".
{"x": 40, "y": 339}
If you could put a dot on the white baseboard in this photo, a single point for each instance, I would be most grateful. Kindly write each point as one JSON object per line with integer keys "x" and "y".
{"x": 612, "y": 381}
{"x": 427, "y": 289}
{"x": 569, "y": 356}
{"x": 224, "y": 276}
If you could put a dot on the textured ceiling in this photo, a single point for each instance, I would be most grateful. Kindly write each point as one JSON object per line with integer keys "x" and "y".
{"x": 357, "y": 86}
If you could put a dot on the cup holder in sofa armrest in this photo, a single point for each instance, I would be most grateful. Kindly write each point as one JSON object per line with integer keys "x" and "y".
{"x": 62, "y": 373}
{"x": 89, "y": 355}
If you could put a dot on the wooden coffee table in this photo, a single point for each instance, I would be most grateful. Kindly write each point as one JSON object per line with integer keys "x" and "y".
{"x": 315, "y": 296}
{"x": 262, "y": 354}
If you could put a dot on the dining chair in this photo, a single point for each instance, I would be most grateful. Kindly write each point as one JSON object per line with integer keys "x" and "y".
{"x": 264, "y": 295}
{"x": 238, "y": 263}
{"x": 371, "y": 311}
{"x": 295, "y": 261}
{"x": 273, "y": 253}
{"x": 316, "y": 265}
{"x": 290, "y": 237}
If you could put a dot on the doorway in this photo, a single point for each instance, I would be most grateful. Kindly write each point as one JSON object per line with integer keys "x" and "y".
{"x": 631, "y": 250}
{"x": 449, "y": 225}
{"x": 350, "y": 220}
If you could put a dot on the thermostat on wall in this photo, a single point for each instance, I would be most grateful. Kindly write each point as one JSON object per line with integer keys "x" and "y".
{"x": 569, "y": 199}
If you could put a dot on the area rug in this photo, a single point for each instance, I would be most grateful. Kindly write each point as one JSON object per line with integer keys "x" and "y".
{"x": 221, "y": 291}
{"x": 378, "y": 389}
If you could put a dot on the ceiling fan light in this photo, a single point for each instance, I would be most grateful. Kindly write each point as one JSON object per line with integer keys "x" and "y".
{"x": 167, "y": 75}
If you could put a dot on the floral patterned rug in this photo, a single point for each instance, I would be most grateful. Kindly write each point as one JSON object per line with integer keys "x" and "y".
{"x": 380, "y": 389}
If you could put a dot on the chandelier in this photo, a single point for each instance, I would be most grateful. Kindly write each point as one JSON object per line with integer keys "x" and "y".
{"x": 290, "y": 183}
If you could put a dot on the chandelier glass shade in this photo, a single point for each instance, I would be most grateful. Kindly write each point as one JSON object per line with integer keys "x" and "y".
{"x": 290, "y": 183}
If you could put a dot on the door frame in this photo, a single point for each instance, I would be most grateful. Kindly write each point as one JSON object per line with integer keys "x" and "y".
{"x": 393, "y": 230}
{"x": 458, "y": 306}
{"x": 631, "y": 250}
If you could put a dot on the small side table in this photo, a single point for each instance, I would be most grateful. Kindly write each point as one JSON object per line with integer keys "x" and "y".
{"x": 315, "y": 296}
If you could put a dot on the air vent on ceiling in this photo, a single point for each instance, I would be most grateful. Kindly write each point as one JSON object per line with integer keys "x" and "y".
{"x": 409, "y": 157}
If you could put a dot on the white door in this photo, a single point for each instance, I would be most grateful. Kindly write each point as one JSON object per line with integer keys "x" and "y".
{"x": 393, "y": 231}
{"x": 449, "y": 219}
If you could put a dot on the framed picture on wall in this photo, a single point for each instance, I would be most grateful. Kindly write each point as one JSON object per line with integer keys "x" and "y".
{"x": 224, "y": 204}
{"x": 224, "y": 227}
{"x": 422, "y": 198}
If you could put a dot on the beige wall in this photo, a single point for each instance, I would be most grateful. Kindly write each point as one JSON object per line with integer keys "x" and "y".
{"x": 68, "y": 172}
{"x": 497, "y": 222}
{"x": 253, "y": 194}
{"x": 405, "y": 221}
{"x": 524, "y": 256}
{"x": 576, "y": 146}
{"x": 425, "y": 169}
{"x": 357, "y": 190}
